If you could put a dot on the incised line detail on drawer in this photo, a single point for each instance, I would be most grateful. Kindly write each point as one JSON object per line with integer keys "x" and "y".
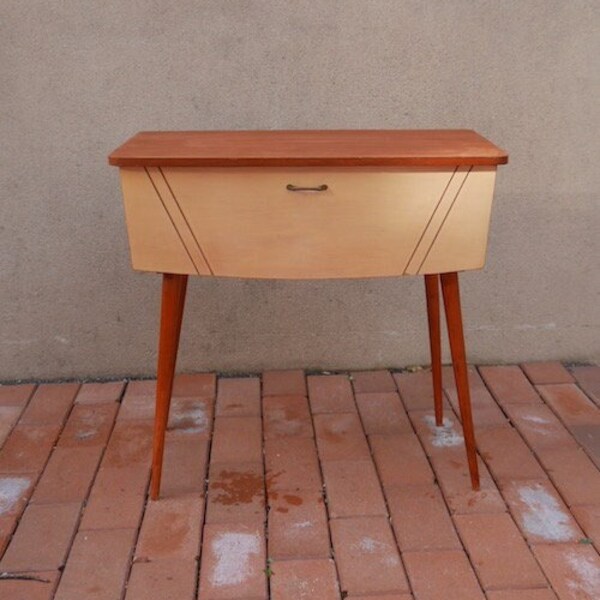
{"x": 437, "y": 220}
{"x": 179, "y": 221}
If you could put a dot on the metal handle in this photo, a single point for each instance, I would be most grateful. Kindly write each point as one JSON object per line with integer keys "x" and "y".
{"x": 295, "y": 188}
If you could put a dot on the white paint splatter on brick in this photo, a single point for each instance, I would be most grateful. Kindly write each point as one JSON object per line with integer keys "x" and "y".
{"x": 588, "y": 576}
{"x": 189, "y": 418}
{"x": 444, "y": 436}
{"x": 233, "y": 552}
{"x": 544, "y": 517}
{"x": 369, "y": 545}
{"x": 11, "y": 489}
{"x": 536, "y": 419}
{"x": 302, "y": 524}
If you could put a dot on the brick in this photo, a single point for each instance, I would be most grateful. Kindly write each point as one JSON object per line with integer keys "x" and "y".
{"x": 547, "y": 372}
{"x": 352, "y": 489}
{"x": 7, "y": 526}
{"x": 509, "y": 385}
{"x": 330, "y": 394}
{"x": 97, "y": 393}
{"x": 129, "y": 444}
{"x": 540, "y": 427}
{"x": 68, "y": 475}
{"x": 15, "y": 490}
{"x": 16, "y": 395}
{"x": 184, "y": 465}
{"x": 574, "y": 474}
{"x": 40, "y": 589}
{"x": 381, "y": 597}
{"x": 162, "y": 580}
{"x": 141, "y": 387}
{"x": 88, "y": 425}
{"x": 50, "y": 404}
{"x": 236, "y": 492}
{"x": 372, "y": 381}
{"x": 588, "y": 379}
{"x": 573, "y": 570}
{"x": 442, "y": 575}
{"x": 97, "y": 565}
{"x": 238, "y": 397}
{"x": 571, "y": 404}
{"x": 117, "y": 499}
{"x": 416, "y": 390}
{"x": 286, "y": 416}
{"x": 480, "y": 395}
{"x": 453, "y": 476}
{"x": 537, "y": 594}
{"x": 498, "y": 552}
{"x": 9, "y": 415}
{"x": 292, "y": 464}
{"x": 190, "y": 415}
{"x": 486, "y": 412}
{"x": 171, "y": 529}
{"x": 136, "y": 408}
{"x": 233, "y": 562}
{"x": 340, "y": 436}
{"x": 284, "y": 383}
{"x": 197, "y": 385}
{"x": 437, "y": 440}
{"x": 382, "y": 412}
{"x": 26, "y": 553}
{"x": 588, "y": 437}
{"x": 304, "y": 580}
{"x": 366, "y": 556}
{"x": 588, "y": 518}
{"x": 297, "y": 526}
{"x": 400, "y": 461}
{"x": 237, "y": 439}
{"x": 540, "y": 513}
{"x": 507, "y": 456}
{"x": 27, "y": 448}
{"x": 421, "y": 520}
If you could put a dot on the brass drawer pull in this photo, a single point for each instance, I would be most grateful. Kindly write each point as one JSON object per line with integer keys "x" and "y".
{"x": 295, "y": 188}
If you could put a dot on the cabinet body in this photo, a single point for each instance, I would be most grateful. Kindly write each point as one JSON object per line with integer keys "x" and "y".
{"x": 351, "y": 222}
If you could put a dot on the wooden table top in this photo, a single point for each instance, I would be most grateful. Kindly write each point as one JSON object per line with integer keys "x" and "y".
{"x": 318, "y": 148}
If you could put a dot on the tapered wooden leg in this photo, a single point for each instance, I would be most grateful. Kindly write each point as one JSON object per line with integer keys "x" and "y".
{"x": 171, "y": 316}
{"x": 451, "y": 294}
{"x": 432, "y": 291}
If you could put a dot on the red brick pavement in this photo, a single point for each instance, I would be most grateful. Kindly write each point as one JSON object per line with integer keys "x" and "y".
{"x": 291, "y": 487}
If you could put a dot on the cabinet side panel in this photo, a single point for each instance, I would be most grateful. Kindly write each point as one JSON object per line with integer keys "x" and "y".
{"x": 153, "y": 240}
{"x": 461, "y": 241}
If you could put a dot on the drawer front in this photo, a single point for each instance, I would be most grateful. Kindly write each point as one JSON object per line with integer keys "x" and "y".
{"x": 362, "y": 222}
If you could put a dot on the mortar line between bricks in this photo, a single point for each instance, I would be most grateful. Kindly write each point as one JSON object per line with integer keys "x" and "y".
{"x": 436, "y": 480}
{"x": 206, "y": 484}
{"x": 84, "y": 501}
{"x": 266, "y": 491}
{"x": 383, "y": 493}
{"x": 25, "y": 405}
{"x": 41, "y": 472}
{"x": 136, "y": 537}
{"x": 549, "y": 479}
{"x": 324, "y": 490}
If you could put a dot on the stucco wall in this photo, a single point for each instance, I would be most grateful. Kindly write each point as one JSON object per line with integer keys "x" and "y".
{"x": 77, "y": 78}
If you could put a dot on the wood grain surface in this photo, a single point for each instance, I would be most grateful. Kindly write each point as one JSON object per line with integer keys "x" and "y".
{"x": 435, "y": 147}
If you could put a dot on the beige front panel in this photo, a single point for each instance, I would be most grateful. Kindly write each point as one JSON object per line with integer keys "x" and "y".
{"x": 368, "y": 223}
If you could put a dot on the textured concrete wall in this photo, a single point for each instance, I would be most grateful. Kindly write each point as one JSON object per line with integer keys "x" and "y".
{"x": 77, "y": 78}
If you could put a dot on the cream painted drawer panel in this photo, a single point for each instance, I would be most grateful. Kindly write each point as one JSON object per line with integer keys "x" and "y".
{"x": 243, "y": 222}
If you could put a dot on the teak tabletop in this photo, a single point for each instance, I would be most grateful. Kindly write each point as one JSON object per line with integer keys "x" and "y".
{"x": 310, "y": 205}
{"x": 326, "y": 148}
